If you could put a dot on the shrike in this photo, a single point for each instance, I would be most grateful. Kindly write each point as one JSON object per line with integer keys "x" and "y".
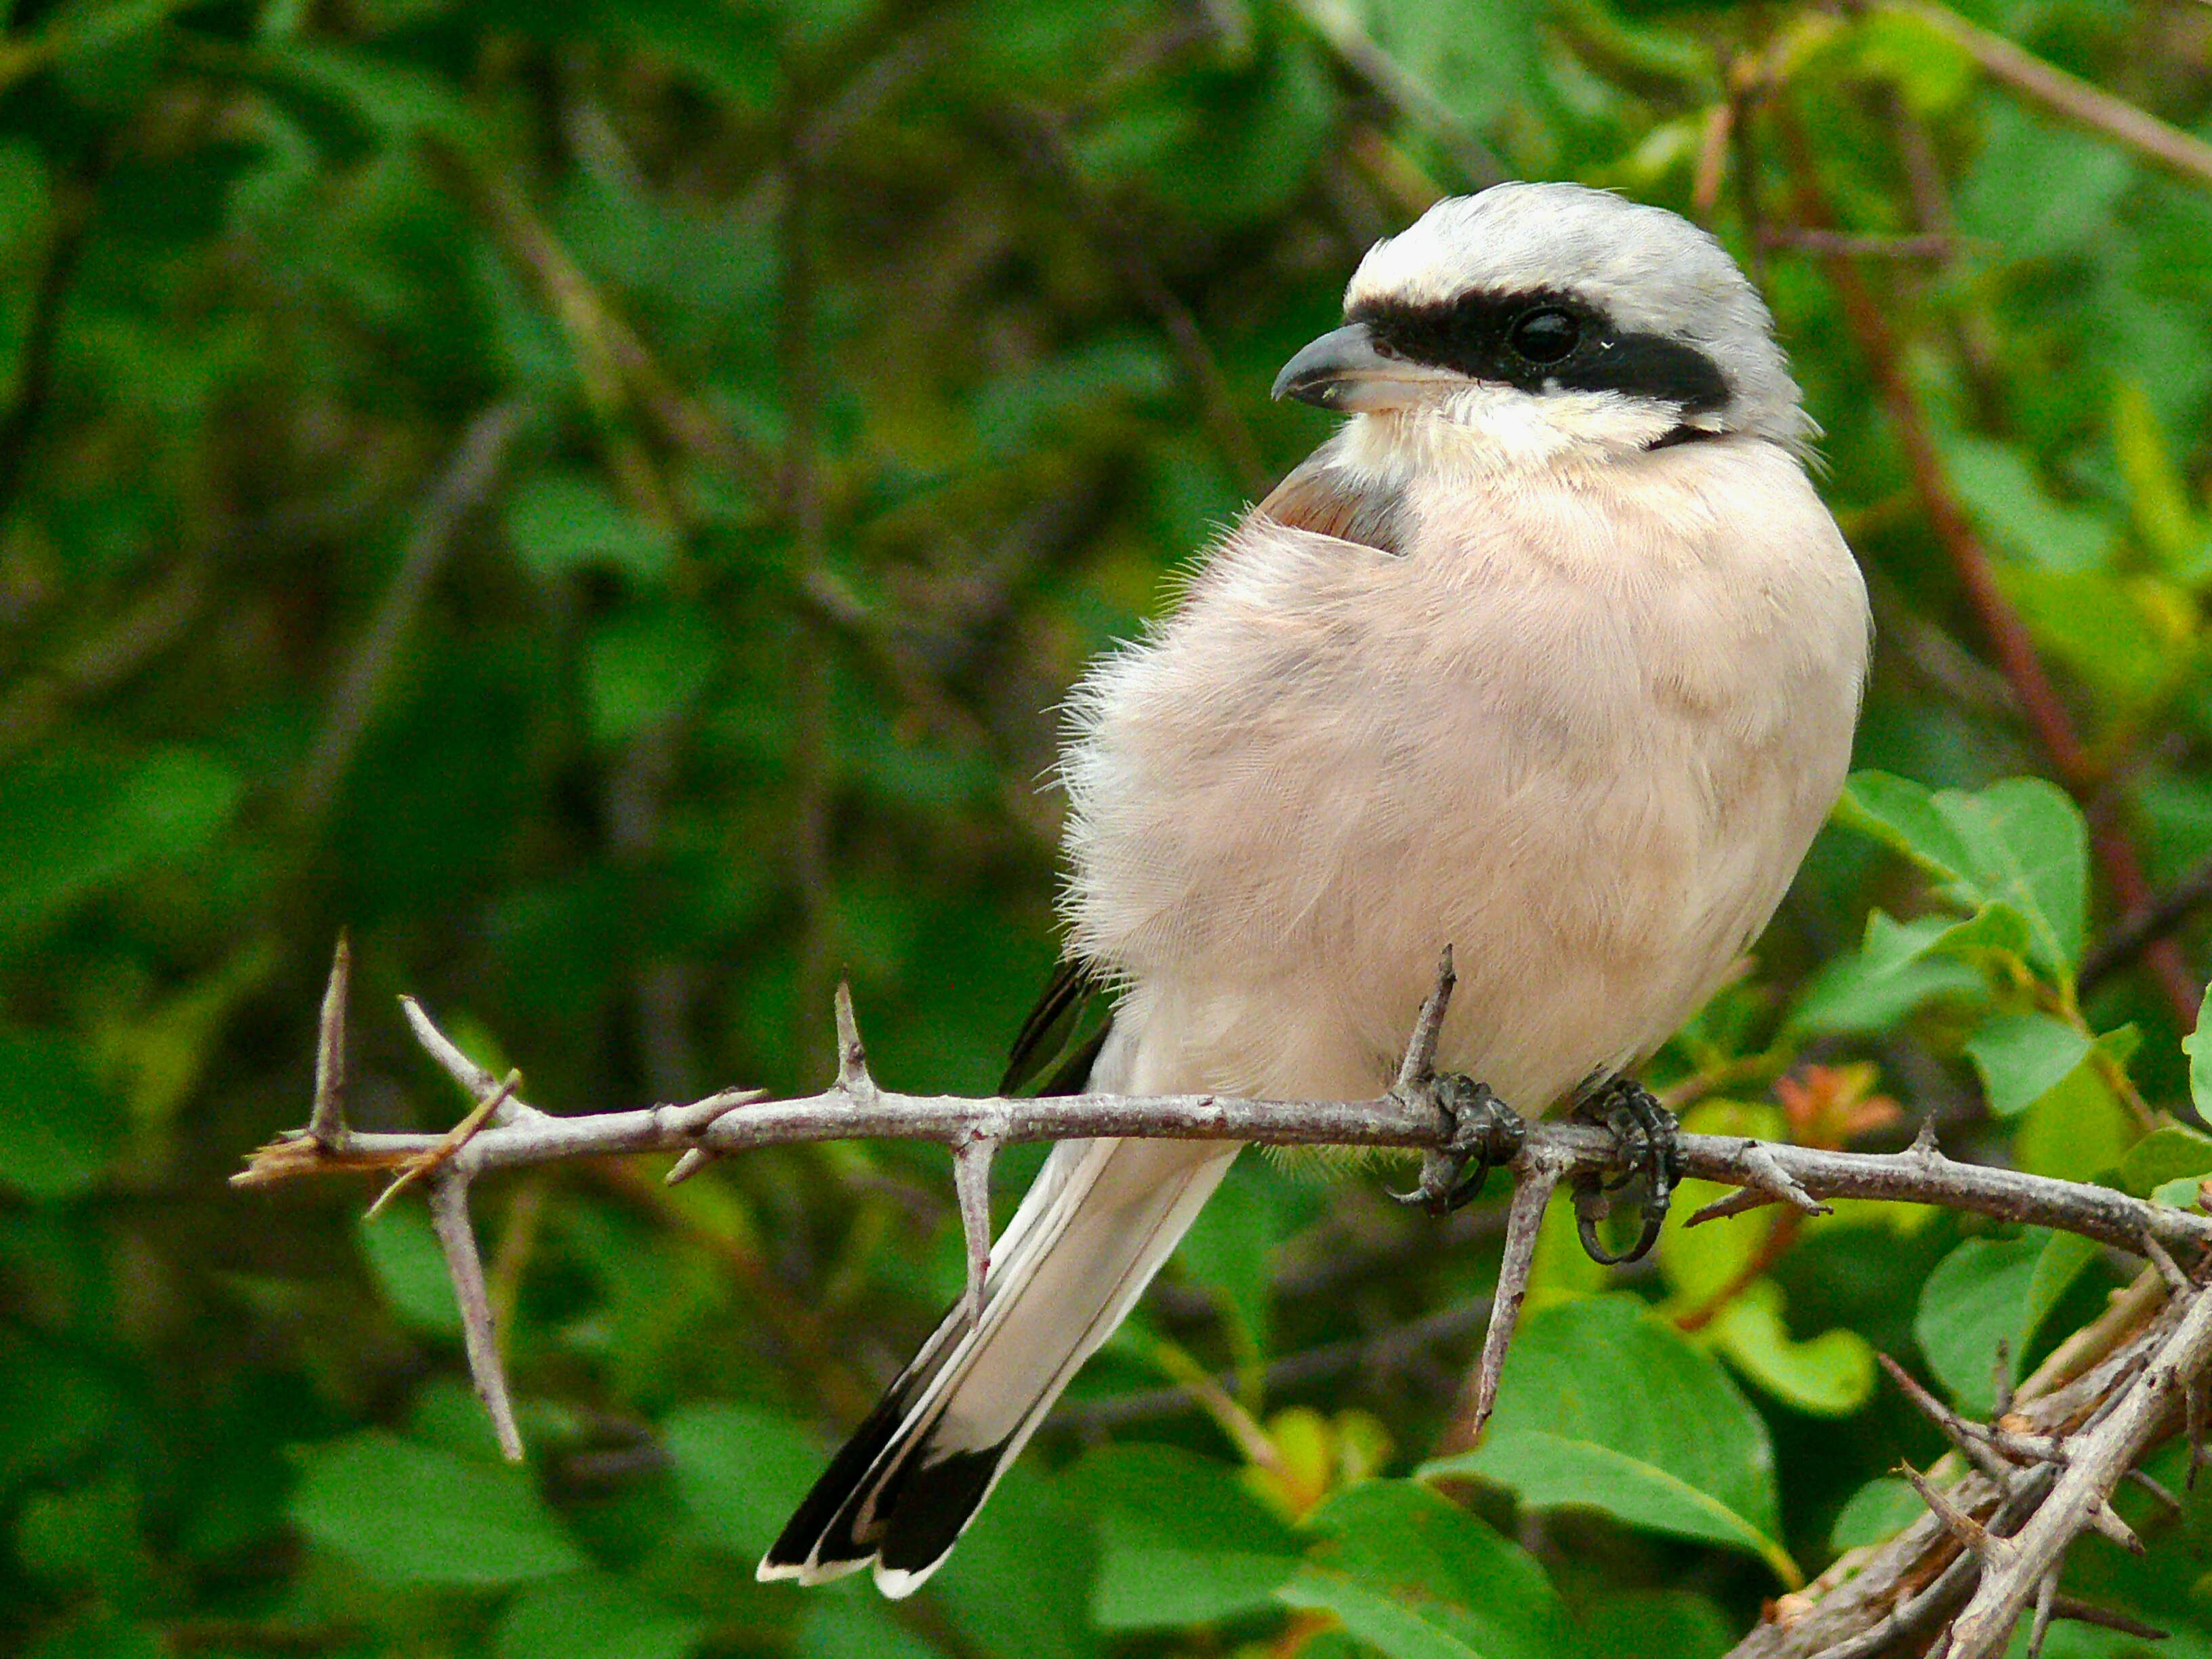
{"x": 1550, "y": 652}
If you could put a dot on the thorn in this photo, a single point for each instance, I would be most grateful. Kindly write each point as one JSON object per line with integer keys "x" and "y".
{"x": 2087, "y": 1613}
{"x": 2177, "y": 1282}
{"x": 1534, "y": 1179}
{"x": 1741, "y": 1201}
{"x": 2046, "y": 1594}
{"x": 971, "y": 1181}
{"x": 696, "y": 1120}
{"x": 449, "y": 1214}
{"x": 1419, "y": 1063}
{"x": 2157, "y": 1489}
{"x": 326, "y": 1120}
{"x": 456, "y": 1138}
{"x": 2193, "y": 1408}
{"x": 2106, "y": 1520}
{"x": 1765, "y": 1181}
{"x": 1993, "y": 1550}
{"x": 1956, "y": 1429}
{"x": 852, "y": 1059}
{"x": 1923, "y": 1140}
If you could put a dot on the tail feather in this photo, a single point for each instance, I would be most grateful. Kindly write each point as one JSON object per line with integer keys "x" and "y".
{"x": 1090, "y": 1235}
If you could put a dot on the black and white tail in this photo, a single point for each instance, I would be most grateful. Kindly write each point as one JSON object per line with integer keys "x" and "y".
{"x": 1090, "y": 1234}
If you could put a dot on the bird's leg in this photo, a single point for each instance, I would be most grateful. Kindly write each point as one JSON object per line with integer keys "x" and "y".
{"x": 1650, "y": 1152}
{"x": 1484, "y": 1132}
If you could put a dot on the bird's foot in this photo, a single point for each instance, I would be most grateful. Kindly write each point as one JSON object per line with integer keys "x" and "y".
{"x": 1484, "y": 1132}
{"x": 1650, "y": 1153}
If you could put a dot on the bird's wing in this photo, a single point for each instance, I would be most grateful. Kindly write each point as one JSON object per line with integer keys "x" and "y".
{"x": 1054, "y": 1050}
{"x": 1330, "y": 498}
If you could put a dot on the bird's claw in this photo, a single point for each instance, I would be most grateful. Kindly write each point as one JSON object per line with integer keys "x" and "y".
{"x": 1484, "y": 1132}
{"x": 1650, "y": 1152}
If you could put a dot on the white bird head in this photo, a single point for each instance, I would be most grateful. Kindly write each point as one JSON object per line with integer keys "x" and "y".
{"x": 1553, "y": 314}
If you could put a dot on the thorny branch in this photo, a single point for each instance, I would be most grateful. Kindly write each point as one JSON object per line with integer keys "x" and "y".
{"x": 1989, "y": 1549}
{"x": 2021, "y": 1525}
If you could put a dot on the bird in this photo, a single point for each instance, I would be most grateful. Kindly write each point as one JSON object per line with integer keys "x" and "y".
{"x": 1550, "y": 652}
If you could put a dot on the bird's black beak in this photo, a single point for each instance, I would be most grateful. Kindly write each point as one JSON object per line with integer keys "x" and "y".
{"x": 1348, "y": 369}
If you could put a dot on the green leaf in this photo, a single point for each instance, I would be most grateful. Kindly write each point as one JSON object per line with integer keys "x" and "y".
{"x": 562, "y": 522}
{"x": 1977, "y": 1298}
{"x": 2064, "y": 1257}
{"x": 2040, "y": 188}
{"x": 88, "y": 1535}
{"x": 594, "y": 1617}
{"x": 2171, "y": 1151}
{"x": 2020, "y": 844}
{"x": 74, "y": 822}
{"x": 1182, "y": 1542}
{"x": 1830, "y": 1375}
{"x": 1416, "y": 1578}
{"x": 1902, "y": 814}
{"x": 58, "y": 1129}
{"x": 402, "y": 1252}
{"x": 1571, "y": 1428}
{"x": 2031, "y": 851}
{"x": 1889, "y": 977}
{"x": 2165, "y": 521}
{"x": 1651, "y": 1625}
{"x": 2182, "y": 1192}
{"x": 1931, "y": 69}
{"x": 2022, "y": 1057}
{"x": 2008, "y": 501}
{"x": 1229, "y": 1250}
{"x": 2129, "y": 637}
{"x": 384, "y": 102}
{"x": 406, "y": 1514}
{"x": 856, "y": 1627}
{"x": 645, "y": 664}
{"x": 2077, "y": 1130}
{"x": 2198, "y": 1044}
{"x": 741, "y": 1470}
{"x": 1879, "y": 1510}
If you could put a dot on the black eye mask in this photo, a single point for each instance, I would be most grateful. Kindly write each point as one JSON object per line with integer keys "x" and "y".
{"x": 1544, "y": 341}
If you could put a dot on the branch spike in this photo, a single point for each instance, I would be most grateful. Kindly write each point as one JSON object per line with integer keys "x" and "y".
{"x": 2106, "y": 1520}
{"x": 2156, "y": 1253}
{"x": 1956, "y": 1429}
{"x": 2194, "y": 1412}
{"x": 2157, "y": 1488}
{"x": 326, "y": 1121}
{"x": 1420, "y": 1062}
{"x": 1536, "y": 1176}
{"x": 2046, "y": 1594}
{"x": 2088, "y": 1613}
{"x": 1993, "y": 1550}
{"x": 1766, "y": 1183}
{"x": 449, "y": 1214}
{"x": 971, "y": 1181}
{"x": 852, "y": 1058}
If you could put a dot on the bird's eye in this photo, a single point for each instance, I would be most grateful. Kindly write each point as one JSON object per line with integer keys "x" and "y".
{"x": 1545, "y": 336}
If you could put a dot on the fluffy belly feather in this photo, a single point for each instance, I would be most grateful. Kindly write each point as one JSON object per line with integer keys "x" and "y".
{"x": 1594, "y": 781}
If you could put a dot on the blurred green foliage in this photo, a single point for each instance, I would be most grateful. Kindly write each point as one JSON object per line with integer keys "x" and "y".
{"x": 600, "y": 500}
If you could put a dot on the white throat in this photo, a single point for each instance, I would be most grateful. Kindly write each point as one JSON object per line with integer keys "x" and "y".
{"x": 1484, "y": 429}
